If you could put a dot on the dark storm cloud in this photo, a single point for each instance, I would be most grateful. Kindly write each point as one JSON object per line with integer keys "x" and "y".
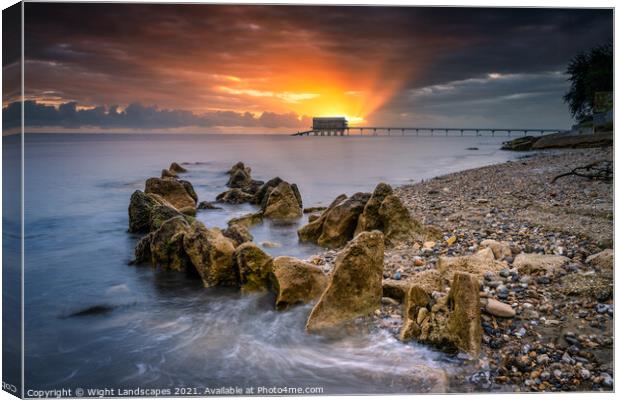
{"x": 137, "y": 116}
{"x": 102, "y": 54}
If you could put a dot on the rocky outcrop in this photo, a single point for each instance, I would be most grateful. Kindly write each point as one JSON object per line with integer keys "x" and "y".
{"x": 453, "y": 321}
{"x": 355, "y": 286}
{"x": 346, "y": 217}
{"x": 190, "y": 189}
{"x": 174, "y": 192}
{"x": 168, "y": 174}
{"x": 238, "y": 233}
{"x": 500, "y": 250}
{"x": 560, "y": 140}
{"x": 240, "y": 176}
{"x": 261, "y": 195}
{"x": 148, "y": 211}
{"x": 247, "y": 220}
{"x": 370, "y": 218}
{"x": 176, "y": 168}
{"x": 602, "y": 262}
{"x": 337, "y": 224}
{"x": 283, "y": 202}
{"x": 296, "y": 282}
{"x": 255, "y": 267}
{"x": 207, "y": 205}
{"x": 520, "y": 144}
{"x": 166, "y": 245}
{"x": 476, "y": 264}
{"x": 234, "y": 196}
{"x": 211, "y": 253}
{"x": 535, "y": 263}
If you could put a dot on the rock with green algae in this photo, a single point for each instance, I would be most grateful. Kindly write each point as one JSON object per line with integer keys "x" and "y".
{"x": 255, "y": 267}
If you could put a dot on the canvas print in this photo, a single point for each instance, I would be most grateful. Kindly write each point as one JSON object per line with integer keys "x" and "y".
{"x": 304, "y": 200}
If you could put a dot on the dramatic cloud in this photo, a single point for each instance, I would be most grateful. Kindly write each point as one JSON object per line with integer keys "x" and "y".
{"x": 368, "y": 63}
{"x": 137, "y": 116}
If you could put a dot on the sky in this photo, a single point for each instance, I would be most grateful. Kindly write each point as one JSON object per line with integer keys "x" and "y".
{"x": 269, "y": 69}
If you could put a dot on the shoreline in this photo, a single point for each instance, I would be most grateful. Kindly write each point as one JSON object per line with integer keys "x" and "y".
{"x": 561, "y": 337}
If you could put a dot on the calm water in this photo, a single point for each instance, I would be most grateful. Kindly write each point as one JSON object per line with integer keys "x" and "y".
{"x": 167, "y": 331}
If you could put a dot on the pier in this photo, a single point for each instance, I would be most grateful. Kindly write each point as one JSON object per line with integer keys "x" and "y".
{"x": 424, "y": 131}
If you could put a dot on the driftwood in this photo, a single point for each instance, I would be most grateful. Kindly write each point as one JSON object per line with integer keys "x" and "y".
{"x": 598, "y": 171}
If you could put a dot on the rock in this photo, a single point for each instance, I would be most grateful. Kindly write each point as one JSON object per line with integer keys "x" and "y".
{"x": 451, "y": 240}
{"x": 561, "y": 140}
{"x": 355, "y": 286}
{"x": 239, "y": 176}
{"x": 429, "y": 280}
{"x": 535, "y": 263}
{"x": 238, "y": 233}
{"x": 247, "y": 220}
{"x": 397, "y": 222}
{"x": 596, "y": 286}
{"x": 148, "y": 211}
{"x": 396, "y": 290}
{"x": 166, "y": 245}
{"x": 520, "y": 144}
{"x": 190, "y": 189}
{"x": 428, "y": 245}
{"x": 370, "y": 218}
{"x": 173, "y": 191}
{"x": 270, "y": 245}
{"x": 500, "y": 250}
{"x": 255, "y": 267}
{"x": 296, "y": 282}
{"x": 603, "y": 261}
{"x": 207, "y": 205}
{"x": 310, "y": 210}
{"x": 477, "y": 264}
{"x": 498, "y": 309}
{"x": 340, "y": 221}
{"x": 234, "y": 196}
{"x": 283, "y": 202}
{"x": 261, "y": 195}
{"x": 311, "y": 231}
{"x": 174, "y": 167}
{"x": 453, "y": 321}
{"x": 168, "y": 174}
{"x": 313, "y": 217}
{"x": 212, "y": 255}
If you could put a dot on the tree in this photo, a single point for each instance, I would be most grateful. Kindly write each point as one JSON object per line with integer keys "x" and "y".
{"x": 589, "y": 72}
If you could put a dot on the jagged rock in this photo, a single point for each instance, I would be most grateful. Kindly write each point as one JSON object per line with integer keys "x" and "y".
{"x": 311, "y": 231}
{"x": 500, "y": 250}
{"x": 255, "y": 267}
{"x": 394, "y": 289}
{"x": 190, "y": 189}
{"x": 429, "y": 280}
{"x": 355, "y": 286}
{"x": 148, "y": 211}
{"x": 497, "y": 308}
{"x": 313, "y": 217}
{"x": 520, "y": 144}
{"x": 166, "y": 245}
{"x": 234, "y": 196}
{"x": 240, "y": 176}
{"x": 261, "y": 195}
{"x": 534, "y": 263}
{"x": 174, "y": 167}
{"x": 247, "y": 220}
{"x": 238, "y": 233}
{"x": 253, "y": 187}
{"x": 453, "y": 321}
{"x": 207, "y": 205}
{"x": 296, "y": 281}
{"x": 142, "y": 251}
{"x": 283, "y": 202}
{"x": 239, "y": 166}
{"x": 603, "y": 261}
{"x": 168, "y": 174}
{"x": 397, "y": 222}
{"x": 337, "y": 224}
{"x": 173, "y": 191}
{"x": 370, "y": 218}
{"x": 212, "y": 255}
{"x": 476, "y": 264}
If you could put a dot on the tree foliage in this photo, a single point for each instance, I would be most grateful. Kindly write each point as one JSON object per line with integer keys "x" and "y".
{"x": 589, "y": 72}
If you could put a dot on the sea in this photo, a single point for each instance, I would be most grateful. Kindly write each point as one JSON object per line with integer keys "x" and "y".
{"x": 161, "y": 329}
